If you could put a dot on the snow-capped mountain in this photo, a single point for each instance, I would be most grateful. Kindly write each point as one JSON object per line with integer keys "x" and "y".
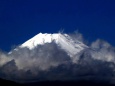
{"x": 63, "y": 40}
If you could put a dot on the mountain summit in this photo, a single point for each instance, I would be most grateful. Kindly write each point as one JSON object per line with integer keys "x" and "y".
{"x": 64, "y": 41}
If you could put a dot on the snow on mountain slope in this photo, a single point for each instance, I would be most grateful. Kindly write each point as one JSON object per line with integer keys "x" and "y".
{"x": 63, "y": 40}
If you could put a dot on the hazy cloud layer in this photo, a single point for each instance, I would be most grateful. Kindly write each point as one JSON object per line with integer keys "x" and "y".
{"x": 50, "y": 62}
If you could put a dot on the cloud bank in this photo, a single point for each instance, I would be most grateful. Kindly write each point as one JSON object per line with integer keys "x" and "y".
{"x": 50, "y": 62}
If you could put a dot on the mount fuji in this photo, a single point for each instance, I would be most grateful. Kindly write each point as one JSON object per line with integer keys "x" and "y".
{"x": 64, "y": 41}
{"x": 61, "y": 55}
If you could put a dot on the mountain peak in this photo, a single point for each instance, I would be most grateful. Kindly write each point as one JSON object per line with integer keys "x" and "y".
{"x": 65, "y": 42}
{"x": 41, "y": 39}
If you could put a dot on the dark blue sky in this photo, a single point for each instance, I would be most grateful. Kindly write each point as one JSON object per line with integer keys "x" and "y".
{"x": 22, "y": 19}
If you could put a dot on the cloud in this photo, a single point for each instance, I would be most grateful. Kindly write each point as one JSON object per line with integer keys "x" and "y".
{"x": 41, "y": 57}
{"x": 103, "y": 51}
{"x": 50, "y": 62}
{"x": 77, "y": 36}
{"x": 3, "y": 58}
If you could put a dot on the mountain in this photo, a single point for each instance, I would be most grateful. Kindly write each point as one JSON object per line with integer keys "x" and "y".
{"x": 64, "y": 41}
{"x": 39, "y": 59}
